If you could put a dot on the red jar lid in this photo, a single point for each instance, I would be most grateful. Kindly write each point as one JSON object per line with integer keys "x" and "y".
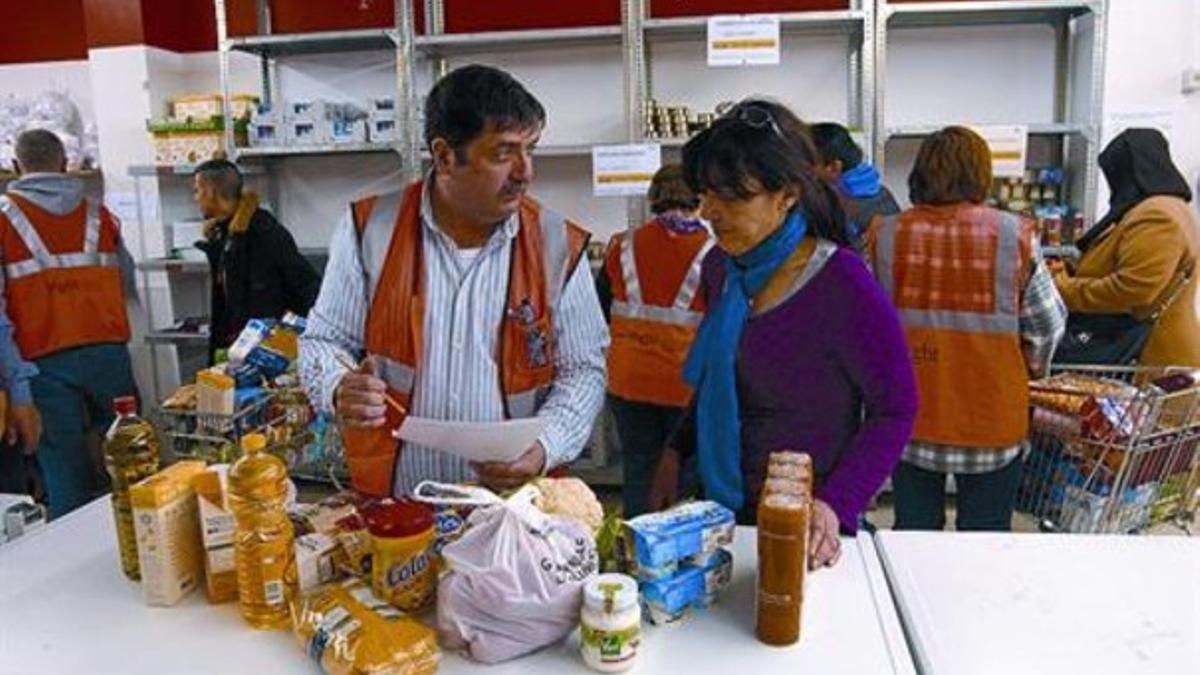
{"x": 395, "y": 518}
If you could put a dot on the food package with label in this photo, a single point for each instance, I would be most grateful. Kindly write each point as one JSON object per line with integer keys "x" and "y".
{"x": 657, "y": 542}
{"x": 315, "y": 561}
{"x": 217, "y": 526}
{"x": 322, "y": 516}
{"x": 667, "y": 600}
{"x": 167, "y": 524}
{"x": 349, "y": 630}
{"x": 216, "y": 392}
{"x": 252, "y": 335}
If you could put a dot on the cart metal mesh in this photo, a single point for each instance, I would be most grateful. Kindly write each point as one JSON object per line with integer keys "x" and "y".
{"x": 308, "y": 443}
{"x": 1110, "y": 451}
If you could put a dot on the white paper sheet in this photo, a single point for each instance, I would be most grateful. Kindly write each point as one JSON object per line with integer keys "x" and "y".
{"x": 474, "y": 441}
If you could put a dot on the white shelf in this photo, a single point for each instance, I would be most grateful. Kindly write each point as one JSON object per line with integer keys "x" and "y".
{"x": 311, "y": 150}
{"x": 1038, "y": 129}
{"x": 373, "y": 39}
{"x": 176, "y": 338}
{"x": 181, "y": 170}
{"x": 174, "y": 265}
{"x": 983, "y": 12}
{"x": 517, "y": 39}
{"x": 792, "y": 22}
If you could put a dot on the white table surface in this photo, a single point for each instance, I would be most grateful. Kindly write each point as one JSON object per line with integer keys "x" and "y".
{"x": 978, "y": 603}
{"x": 66, "y": 608}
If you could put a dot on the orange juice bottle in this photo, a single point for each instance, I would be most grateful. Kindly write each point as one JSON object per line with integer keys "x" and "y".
{"x": 263, "y": 536}
{"x": 782, "y": 561}
{"x": 130, "y": 455}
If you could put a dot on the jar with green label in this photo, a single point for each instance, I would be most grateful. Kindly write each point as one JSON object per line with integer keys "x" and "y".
{"x": 611, "y": 629}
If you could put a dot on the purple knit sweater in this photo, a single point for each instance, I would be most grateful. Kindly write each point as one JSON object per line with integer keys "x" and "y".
{"x": 827, "y": 372}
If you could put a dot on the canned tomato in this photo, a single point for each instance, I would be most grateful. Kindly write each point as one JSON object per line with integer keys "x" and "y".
{"x": 402, "y": 538}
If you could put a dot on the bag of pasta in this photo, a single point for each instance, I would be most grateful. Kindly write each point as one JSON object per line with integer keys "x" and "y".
{"x": 348, "y": 630}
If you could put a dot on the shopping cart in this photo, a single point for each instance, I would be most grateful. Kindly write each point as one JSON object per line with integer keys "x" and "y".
{"x": 307, "y": 443}
{"x": 1111, "y": 451}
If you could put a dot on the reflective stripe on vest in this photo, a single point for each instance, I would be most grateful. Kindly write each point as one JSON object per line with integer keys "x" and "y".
{"x": 375, "y": 238}
{"x": 42, "y": 259}
{"x": 680, "y": 313}
{"x": 1003, "y": 320}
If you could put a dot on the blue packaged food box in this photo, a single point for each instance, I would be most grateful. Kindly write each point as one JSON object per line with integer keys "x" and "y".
{"x": 269, "y": 362}
{"x": 658, "y": 540}
{"x": 666, "y": 600}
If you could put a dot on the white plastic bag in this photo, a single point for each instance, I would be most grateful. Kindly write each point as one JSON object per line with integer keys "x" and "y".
{"x": 515, "y": 578}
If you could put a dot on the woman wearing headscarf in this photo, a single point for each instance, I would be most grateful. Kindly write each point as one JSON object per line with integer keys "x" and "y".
{"x": 1140, "y": 258}
{"x": 800, "y": 348}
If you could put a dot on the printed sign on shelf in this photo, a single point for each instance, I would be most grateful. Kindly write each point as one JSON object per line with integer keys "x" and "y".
{"x": 1009, "y": 145}
{"x": 624, "y": 169}
{"x": 743, "y": 40}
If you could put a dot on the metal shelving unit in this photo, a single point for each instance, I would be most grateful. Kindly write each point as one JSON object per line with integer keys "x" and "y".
{"x": 1078, "y": 129}
{"x": 269, "y": 47}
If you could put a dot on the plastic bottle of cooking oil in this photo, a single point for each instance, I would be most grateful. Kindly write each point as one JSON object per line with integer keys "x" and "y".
{"x": 130, "y": 455}
{"x": 263, "y": 539}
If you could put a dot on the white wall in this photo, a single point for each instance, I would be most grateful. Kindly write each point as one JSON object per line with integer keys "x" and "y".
{"x": 30, "y": 79}
{"x": 1150, "y": 44}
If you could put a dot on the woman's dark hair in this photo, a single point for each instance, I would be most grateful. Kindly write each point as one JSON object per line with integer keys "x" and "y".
{"x": 669, "y": 191}
{"x": 465, "y": 103}
{"x": 834, "y": 142}
{"x": 953, "y": 165}
{"x": 761, "y": 146}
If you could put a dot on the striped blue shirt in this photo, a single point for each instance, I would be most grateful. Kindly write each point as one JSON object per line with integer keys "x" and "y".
{"x": 458, "y": 377}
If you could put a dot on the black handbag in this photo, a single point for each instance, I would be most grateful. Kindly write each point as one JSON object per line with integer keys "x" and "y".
{"x": 1111, "y": 339}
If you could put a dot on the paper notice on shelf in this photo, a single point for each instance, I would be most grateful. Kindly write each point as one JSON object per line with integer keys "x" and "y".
{"x": 624, "y": 169}
{"x": 474, "y": 441}
{"x": 751, "y": 40}
{"x": 1009, "y": 145}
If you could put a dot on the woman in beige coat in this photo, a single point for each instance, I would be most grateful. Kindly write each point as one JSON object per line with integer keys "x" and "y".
{"x": 1136, "y": 257}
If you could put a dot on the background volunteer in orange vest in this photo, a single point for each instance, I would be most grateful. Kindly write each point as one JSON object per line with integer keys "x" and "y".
{"x": 466, "y": 300}
{"x": 62, "y": 339}
{"x": 649, "y": 292}
{"x": 982, "y": 317}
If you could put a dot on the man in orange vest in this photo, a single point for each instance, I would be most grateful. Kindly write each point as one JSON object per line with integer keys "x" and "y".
{"x": 63, "y": 335}
{"x": 464, "y": 299}
{"x": 982, "y": 317}
{"x": 649, "y": 289}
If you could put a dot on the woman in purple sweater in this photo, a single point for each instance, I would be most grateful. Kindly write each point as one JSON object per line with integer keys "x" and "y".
{"x": 801, "y": 349}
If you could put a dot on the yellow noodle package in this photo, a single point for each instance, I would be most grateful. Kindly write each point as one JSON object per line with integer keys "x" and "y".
{"x": 349, "y": 630}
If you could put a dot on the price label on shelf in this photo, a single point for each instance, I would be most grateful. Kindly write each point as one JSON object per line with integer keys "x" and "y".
{"x": 1009, "y": 145}
{"x": 624, "y": 169}
{"x": 743, "y": 40}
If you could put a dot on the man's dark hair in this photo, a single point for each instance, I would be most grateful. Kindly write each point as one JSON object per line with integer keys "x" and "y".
{"x": 40, "y": 151}
{"x": 835, "y": 143}
{"x": 471, "y": 100}
{"x": 224, "y": 177}
{"x": 761, "y": 146}
{"x": 668, "y": 191}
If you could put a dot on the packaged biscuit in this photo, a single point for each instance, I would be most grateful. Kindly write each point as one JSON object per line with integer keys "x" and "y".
{"x": 657, "y": 541}
{"x": 217, "y": 526}
{"x": 666, "y": 600}
{"x": 349, "y": 630}
{"x": 167, "y": 524}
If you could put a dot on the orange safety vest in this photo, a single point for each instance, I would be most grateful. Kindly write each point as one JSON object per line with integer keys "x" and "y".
{"x": 62, "y": 281}
{"x": 955, "y": 274}
{"x": 656, "y": 311}
{"x": 545, "y": 253}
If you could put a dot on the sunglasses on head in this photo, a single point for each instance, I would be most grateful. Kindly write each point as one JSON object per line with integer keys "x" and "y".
{"x": 754, "y": 116}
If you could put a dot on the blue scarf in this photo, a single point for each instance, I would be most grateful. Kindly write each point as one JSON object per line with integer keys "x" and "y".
{"x": 710, "y": 367}
{"x": 862, "y": 181}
